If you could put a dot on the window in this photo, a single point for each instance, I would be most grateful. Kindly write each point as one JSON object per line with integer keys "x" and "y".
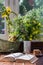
{"x": 2, "y": 23}
{"x": 2, "y": 30}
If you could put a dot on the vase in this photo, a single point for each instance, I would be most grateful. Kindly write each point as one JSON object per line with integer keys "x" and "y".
{"x": 27, "y": 46}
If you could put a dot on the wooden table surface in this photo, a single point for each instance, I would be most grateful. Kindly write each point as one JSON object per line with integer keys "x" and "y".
{"x": 10, "y": 63}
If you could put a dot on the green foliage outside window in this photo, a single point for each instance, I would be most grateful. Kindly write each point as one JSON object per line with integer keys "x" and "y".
{"x": 24, "y": 7}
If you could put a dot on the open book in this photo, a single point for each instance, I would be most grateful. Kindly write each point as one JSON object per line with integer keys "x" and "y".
{"x": 20, "y": 57}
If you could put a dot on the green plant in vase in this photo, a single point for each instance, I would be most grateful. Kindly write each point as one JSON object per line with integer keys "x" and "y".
{"x": 27, "y": 27}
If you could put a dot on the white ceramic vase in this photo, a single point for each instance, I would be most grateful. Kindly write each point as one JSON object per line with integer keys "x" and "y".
{"x": 27, "y": 46}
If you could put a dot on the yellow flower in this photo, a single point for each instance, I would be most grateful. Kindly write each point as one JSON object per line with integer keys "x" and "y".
{"x": 30, "y": 39}
{"x": 39, "y": 24}
{"x": 10, "y": 38}
{"x": 8, "y": 10}
{"x": 35, "y": 32}
{"x": 4, "y": 15}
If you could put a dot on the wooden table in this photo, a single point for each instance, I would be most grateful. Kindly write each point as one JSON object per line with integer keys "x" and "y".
{"x": 14, "y": 63}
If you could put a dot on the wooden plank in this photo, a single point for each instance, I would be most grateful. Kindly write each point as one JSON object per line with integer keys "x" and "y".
{"x": 14, "y": 63}
{"x": 6, "y": 63}
{"x": 27, "y": 63}
{"x": 18, "y": 63}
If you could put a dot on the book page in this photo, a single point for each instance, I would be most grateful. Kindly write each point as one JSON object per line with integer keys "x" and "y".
{"x": 26, "y": 57}
{"x": 33, "y": 60}
{"x": 14, "y": 55}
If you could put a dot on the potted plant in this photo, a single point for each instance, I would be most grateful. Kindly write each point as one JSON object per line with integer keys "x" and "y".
{"x": 25, "y": 28}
